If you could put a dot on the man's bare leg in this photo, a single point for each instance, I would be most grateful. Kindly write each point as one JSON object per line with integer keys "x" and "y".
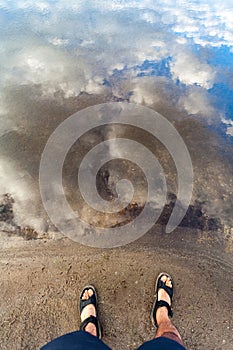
{"x": 165, "y": 326}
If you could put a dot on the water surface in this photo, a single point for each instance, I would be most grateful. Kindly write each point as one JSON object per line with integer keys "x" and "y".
{"x": 59, "y": 57}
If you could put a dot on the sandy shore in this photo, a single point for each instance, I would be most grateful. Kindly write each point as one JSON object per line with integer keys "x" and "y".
{"x": 41, "y": 279}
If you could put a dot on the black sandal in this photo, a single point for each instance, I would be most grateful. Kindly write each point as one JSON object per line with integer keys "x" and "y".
{"x": 91, "y": 319}
{"x": 157, "y": 304}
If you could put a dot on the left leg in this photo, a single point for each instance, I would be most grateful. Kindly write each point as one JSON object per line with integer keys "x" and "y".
{"x": 79, "y": 340}
{"x": 88, "y": 338}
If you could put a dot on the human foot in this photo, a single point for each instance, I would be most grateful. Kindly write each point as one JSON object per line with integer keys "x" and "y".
{"x": 88, "y": 304}
{"x": 162, "y": 305}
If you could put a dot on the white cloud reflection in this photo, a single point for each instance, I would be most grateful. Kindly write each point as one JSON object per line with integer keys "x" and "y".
{"x": 74, "y": 47}
{"x": 229, "y": 124}
{"x": 190, "y": 70}
{"x": 196, "y": 102}
{"x": 78, "y": 41}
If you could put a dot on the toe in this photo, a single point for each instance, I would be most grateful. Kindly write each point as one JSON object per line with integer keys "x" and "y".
{"x": 168, "y": 282}
{"x": 90, "y": 292}
{"x": 85, "y": 295}
{"x": 164, "y": 278}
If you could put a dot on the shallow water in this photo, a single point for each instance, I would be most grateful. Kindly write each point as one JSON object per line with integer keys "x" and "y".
{"x": 58, "y": 58}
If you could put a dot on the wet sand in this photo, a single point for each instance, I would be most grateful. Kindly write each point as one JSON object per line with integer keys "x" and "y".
{"x": 41, "y": 280}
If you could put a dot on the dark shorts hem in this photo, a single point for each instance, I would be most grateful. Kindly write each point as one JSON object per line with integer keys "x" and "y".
{"x": 79, "y": 340}
{"x": 161, "y": 343}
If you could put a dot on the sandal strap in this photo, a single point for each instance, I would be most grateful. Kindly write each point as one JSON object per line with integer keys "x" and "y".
{"x": 90, "y": 319}
{"x": 85, "y": 302}
{"x": 159, "y": 304}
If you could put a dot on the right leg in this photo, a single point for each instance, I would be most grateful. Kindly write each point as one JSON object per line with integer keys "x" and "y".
{"x": 165, "y": 326}
{"x": 167, "y": 336}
